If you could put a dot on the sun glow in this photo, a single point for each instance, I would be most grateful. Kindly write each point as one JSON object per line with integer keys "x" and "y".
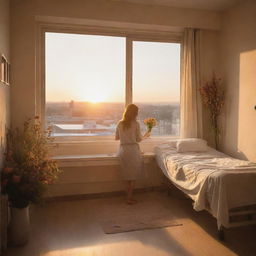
{"x": 95, "y": 96}
{"x": 95, "y": 101}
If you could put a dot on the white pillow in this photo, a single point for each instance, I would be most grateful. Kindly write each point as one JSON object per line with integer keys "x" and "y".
{"x": 191, "y": 145}
{"x": 172, "y": 143}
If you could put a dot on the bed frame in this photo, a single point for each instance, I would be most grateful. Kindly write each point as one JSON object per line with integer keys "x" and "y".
{"x": 239, "y": 216}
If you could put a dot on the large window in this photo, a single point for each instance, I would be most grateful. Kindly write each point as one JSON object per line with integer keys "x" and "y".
{"x": 156, "y": 84}
{"x": 86, "y": 83}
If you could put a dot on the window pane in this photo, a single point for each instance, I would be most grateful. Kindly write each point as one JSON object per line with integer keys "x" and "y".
{"x": 156, "y": 85}
{"x": 85, "y": 83}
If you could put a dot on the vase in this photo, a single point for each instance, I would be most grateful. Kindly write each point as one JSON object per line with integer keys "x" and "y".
{"x": 19, "y": 226}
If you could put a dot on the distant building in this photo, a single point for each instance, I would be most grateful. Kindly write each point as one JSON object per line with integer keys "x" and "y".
{"x": 71, "y": 108}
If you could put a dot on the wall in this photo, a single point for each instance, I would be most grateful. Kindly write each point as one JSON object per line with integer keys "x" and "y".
{"x": 210, "y": 56}
{"x": 127, "y": 12}
{"x": 23, "y": 55}
{"x": 93, "y": 175}
{"x": 239, "y": 63}
{"x": 24, "y": 32}
{"x": 4, "y": 111}
{"x": 4, "y": 89}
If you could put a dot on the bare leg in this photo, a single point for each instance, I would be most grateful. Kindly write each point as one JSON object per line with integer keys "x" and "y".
{"x": 130, "y": 200}
{"x": 221, "y": 233}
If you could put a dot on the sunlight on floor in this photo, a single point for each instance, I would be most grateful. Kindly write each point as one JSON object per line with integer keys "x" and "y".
{"x": 74, "y": 228}
{"x": 113, "y": 249}
{"x": 194, "y": 237}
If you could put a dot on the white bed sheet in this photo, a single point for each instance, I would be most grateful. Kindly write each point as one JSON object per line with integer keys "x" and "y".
{"x": 215, "y": 181}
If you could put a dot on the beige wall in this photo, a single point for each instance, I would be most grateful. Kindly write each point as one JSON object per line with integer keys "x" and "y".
{"x": 92, "y": 177}
{"x": 4, "y": 112}
{"x": 239, "y": 66}
{"x": 210, "y": 55}
{"x": 23, "y": 34}
{"x": 4, "y": 89}
{"x": 23, "y": 56}
{"x": 128, "y": 12}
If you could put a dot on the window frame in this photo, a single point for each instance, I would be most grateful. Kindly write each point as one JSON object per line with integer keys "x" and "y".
{"x": 131, "y": 34}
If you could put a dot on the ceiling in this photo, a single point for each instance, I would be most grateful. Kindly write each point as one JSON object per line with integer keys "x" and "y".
{"x": 214, "y": 5}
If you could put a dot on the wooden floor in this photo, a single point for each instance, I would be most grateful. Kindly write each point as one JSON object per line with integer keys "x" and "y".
{"x": 72, "y": 228}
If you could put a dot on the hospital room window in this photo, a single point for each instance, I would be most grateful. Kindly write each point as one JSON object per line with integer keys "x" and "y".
{"x": 156, "y": 85}
{"x": 86, "y": 89}
{"x": 85, "y": 84}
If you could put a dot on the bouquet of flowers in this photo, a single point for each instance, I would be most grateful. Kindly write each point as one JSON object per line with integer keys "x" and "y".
{"x": 213, "y": 98}
{"x": 28, "y": 169}
{"x": 150, "y": 123}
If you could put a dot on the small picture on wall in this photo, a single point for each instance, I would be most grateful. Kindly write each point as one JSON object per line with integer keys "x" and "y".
{"x": 4, "y": 70}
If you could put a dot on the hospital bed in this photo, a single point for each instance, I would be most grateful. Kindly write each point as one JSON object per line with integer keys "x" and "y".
{"x": 216, "y": 182}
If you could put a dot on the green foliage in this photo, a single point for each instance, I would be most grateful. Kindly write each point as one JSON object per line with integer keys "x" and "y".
{"x": 28, "y": 168}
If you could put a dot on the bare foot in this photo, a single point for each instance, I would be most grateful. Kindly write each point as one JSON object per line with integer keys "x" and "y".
{"x": 131, "y": 201}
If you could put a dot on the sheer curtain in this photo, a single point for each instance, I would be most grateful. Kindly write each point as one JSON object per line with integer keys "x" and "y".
{"x": 191, "y": 106}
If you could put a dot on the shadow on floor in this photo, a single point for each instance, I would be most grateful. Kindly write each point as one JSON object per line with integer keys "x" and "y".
{"x": 239, "y": 239}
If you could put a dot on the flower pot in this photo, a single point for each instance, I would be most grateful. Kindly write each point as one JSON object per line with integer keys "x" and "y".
{"x": 19, "y": 226}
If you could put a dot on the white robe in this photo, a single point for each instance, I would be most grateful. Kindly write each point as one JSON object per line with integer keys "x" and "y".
{"x": 129, "y": 151}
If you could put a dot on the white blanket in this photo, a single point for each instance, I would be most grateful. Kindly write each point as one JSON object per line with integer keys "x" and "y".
{"x": 213, "y": 180}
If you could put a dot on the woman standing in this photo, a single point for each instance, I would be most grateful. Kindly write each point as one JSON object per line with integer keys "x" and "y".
{"x": 128, "y": 132}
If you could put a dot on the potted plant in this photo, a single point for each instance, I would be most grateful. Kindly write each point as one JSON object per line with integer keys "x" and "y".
{"x": 213, "y": 98}
{"x": 27, "y": 171}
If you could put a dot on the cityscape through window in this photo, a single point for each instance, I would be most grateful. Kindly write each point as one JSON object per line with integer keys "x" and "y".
{"x": 156, "y": 66}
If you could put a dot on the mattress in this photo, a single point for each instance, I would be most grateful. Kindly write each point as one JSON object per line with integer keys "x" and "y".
{"x": 216, "y": 182}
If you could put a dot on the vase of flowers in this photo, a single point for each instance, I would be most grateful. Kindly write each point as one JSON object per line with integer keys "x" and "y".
{"x": 150, "y": 123}
{"x": 213, "y": 98}
{"x": 27, "y": 171}
{"x": 19, "y": 226}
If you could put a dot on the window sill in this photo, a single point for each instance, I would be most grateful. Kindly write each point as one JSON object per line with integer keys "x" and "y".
{"x": 86, "y": 139}
{"x": 101, "y": 146}
{"x": 94, "y": 160}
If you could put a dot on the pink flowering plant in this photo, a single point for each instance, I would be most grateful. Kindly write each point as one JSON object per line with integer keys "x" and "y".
{"x": 28, "y": 169}
{"x": 213, "y": 98}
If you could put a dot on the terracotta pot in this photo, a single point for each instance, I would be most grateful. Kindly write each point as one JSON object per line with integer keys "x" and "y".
{"x": 19, "y": 226}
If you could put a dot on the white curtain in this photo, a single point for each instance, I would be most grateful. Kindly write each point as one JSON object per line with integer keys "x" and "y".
{"x": 191, "y": 106}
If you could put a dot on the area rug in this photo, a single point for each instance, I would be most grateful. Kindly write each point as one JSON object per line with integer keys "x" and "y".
{"x": 113, "y": 227}
{"x": 141, "y": 216}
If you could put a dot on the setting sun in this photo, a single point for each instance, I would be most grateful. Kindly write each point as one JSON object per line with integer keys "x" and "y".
{"x": 95, "y": 100}
{"x": 96, "y": 97}
{"x": 94, "y": 94}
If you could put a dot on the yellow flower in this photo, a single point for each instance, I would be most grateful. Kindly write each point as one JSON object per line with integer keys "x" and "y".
{"x": 150, "y": 122}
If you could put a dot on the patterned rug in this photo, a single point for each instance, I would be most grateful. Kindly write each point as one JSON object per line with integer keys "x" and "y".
{"x": 139, "y": 216}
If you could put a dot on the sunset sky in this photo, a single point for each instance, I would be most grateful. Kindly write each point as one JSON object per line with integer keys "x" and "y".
{"x": 92, "y": 68}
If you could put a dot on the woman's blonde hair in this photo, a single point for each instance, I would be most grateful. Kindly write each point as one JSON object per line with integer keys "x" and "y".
{"x": 129, "y": 115}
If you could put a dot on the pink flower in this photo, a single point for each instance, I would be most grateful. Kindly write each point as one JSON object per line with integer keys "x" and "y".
{"x": 7, "y": 170}
{"x": 16, "y": 178}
